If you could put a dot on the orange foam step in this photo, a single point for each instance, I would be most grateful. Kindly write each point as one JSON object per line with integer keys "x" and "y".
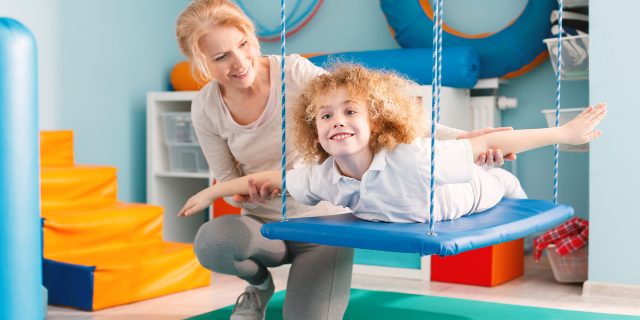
{"x": 119, "y": 224}
{"x": 56, "y": 148}
{"x": 119, "y": 275}
{"x": 489, "y": 266}
{"x": 78, "y": 187}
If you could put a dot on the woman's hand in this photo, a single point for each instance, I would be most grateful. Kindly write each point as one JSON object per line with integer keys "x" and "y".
{"x": 258, "y": 194}
{"x": 491, "y": 157}
{"x": 199, "y": 201}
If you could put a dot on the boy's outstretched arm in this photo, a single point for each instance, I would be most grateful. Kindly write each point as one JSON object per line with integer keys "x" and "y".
{"x": 204, "y": 198}
{"x": 580, "y": 130}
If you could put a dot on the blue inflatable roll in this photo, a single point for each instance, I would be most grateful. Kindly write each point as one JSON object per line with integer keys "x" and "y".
{"x": 20, "y": 230}
{"x": 460, "y": 65}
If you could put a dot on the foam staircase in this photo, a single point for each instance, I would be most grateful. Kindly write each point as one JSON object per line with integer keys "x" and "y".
{"x": 99, "y": 252}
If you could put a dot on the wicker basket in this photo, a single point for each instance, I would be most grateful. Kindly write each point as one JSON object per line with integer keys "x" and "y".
{"x": 570, "y": 268}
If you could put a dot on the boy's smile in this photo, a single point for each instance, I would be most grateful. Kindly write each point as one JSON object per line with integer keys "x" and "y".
{"x": 344, "y": 128}
{"x": 341, "y": 136}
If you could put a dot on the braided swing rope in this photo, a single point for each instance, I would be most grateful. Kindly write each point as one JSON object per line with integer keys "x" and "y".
{"x": 435, "y": 101}
{"x": 440, "y": 23}
{"x": 556, "y": 148}
{"x": 283, "y": 45}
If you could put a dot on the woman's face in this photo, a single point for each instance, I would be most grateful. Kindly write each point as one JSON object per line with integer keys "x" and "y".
{"x": 231, "y": 56}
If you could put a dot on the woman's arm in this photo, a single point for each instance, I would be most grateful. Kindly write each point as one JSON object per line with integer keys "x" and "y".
{"x": 580, "y": 130}
{"x": 204, "y": 198}
{"x": 491, "y": 157}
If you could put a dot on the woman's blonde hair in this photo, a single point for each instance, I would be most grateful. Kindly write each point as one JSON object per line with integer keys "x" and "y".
{"x": 195, "y": 21}
{"x": 395, "y": 116}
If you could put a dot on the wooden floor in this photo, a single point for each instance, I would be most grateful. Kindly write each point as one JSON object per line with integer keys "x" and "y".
{"x": 536, "y": 288}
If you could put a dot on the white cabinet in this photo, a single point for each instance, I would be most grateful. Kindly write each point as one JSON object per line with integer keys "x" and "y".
{"x": 166, "y": 188}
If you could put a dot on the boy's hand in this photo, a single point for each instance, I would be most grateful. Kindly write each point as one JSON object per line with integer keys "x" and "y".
{"x": 198, "y": 202}
{"x": 580, "y": 129}
{"x": 490, "y": 157}
{"x": 494, "y": 158}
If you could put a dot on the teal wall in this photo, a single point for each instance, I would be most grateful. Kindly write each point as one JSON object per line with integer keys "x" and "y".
{"x": 97, "y": 60}
{"x": 614, "y": 69}
{"x": 111, "y": 53}
{"x": 339, "y": 25}
{"x": 42, "y": 23}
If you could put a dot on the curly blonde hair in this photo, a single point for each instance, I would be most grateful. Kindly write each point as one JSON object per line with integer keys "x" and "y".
{"x": 395, "y": 116}
{"x": 195, "y": 21}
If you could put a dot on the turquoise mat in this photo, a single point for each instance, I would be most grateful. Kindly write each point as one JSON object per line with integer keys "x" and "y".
{"x": 372, "y": 305}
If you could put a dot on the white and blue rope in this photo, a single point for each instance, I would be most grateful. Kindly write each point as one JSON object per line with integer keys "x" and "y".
{"x": 435, "y": 101}
{"x": 558, "y": 85}
{"x": 440, "y": 39}
{"x": 283, "y": 45}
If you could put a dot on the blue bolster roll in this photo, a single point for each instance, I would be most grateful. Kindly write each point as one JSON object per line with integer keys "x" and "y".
{"x": 460, "y": 65}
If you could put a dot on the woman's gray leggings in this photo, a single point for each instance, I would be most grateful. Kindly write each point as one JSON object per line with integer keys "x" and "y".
{"x": 319, "y": 278}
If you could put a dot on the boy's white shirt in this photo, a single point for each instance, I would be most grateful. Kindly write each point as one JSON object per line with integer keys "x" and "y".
{"x": 233, "y": 150}
{"x": 396, "y": 186}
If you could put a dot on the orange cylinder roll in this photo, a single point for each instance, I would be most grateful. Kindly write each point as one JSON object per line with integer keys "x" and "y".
{"x": 182, "y": 78}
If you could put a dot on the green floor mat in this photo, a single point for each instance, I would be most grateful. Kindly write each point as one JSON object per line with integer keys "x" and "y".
{"x": 372, "y": 305}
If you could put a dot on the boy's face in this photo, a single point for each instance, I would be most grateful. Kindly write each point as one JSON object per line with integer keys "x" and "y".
{"x": 343, "y": 126}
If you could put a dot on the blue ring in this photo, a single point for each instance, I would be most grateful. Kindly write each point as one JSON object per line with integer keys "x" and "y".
{"x": 512, "y": 49}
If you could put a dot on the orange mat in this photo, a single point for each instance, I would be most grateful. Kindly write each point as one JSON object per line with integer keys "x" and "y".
{"x": 78, "y": 187}
{"x": 124, "y": 275}
{"x": 56, "y": 148}
{"x": 99, "y": 252}
{"x": 116, "y": 225}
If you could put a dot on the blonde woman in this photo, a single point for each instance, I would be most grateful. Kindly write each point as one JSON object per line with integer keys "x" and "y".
{"x": 236, "y": 117}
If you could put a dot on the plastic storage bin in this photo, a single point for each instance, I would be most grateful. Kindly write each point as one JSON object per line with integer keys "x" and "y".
{"x": 575, "y": 56}
{"x": 565, "y": 115}
{"x": 187, "y": 158}
{"x": 178, "y": 128}
{"x": 571, "y": 268}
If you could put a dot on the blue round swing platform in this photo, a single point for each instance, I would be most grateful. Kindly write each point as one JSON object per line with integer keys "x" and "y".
{"x": 509, "y": 220}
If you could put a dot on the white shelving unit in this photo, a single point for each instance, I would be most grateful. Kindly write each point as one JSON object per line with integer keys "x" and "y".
{"x": 166, "y": 188}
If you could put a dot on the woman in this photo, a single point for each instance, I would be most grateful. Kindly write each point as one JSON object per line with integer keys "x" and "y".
{"x": 237, "y": 120}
